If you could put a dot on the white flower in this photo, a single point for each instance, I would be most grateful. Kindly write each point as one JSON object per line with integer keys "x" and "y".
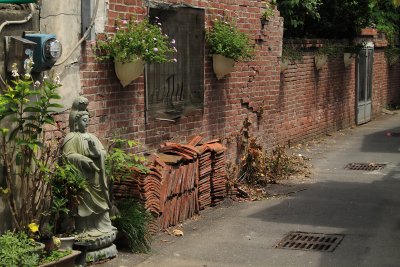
{"x": 173, "y": 41}
{"x": 155, "y": 39}
{"x": 159, "y": 23}
{"x": 14, "y": 70}
{"x": 175, "y": 60}
{"x": 28, "y": 65}
{"x": 124, "y": 21}
{"x": 155, "y": 49}
{"x": 57, "y": 79}
{"x": 36, "y": 84}
{"x": 176, "y": 50}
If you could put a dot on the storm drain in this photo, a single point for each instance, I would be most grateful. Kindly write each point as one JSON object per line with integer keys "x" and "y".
{"x": 310, "y": 241}
{"x": 365, "y": 166}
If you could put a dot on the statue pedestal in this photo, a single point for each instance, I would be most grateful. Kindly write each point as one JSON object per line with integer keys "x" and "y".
{"x": 97, "y": 248}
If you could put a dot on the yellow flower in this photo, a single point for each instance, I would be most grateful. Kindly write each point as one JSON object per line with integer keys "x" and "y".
{"x": 33, "y": 227}
{"x": 56, "y": 241}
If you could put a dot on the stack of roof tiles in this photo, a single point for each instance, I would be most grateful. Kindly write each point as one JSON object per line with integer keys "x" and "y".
{"x": 183, "y": 179}
{"x": 212, "y": 179}
{"x": 179, "y": 192}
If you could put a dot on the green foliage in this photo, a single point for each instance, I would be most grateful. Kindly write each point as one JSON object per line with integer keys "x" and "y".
{"x": 120, "y": 162}
{"x": 392, "y": 54}
{"x": 338, "y": 19}
{"x": 330, "y": 49}
{"x": 297, "y": 12}
{"x": 386, "y": 18}
{"x": 132, "y": 223}
{"x": 55, "y": 255}
{"x": 225, "y": 39}
{"x": 269, "y": 10}
{"x": 67, "y": 186}
{"x": 28, "y": 157}
{"x": 134, "y": 39}
{"x": 292, "y": 53}
{"x": 17, "y": 250}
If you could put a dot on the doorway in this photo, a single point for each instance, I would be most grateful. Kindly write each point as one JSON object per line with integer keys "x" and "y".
{"x": 364, "y": 84}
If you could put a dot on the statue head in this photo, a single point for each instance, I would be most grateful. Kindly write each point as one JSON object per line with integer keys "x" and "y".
{"x": 79, "y": 104}
{"x": 80, "y": 121}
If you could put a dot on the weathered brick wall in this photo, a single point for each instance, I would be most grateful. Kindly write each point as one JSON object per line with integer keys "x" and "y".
{"x": 312, "y": 102}
{"x": 227, "y": 102}
{"x": 283, "y": 108}
{"x": 386, "y": 82}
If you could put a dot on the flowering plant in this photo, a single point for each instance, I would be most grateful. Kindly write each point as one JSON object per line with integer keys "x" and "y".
{"x": 225, "y": 39}
{"x": 134, "y": 39}
{"x": 28, "y": 156}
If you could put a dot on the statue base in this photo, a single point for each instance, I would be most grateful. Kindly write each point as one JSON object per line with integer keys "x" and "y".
{"x": 102, "y": 254}
{"x": 97, "y": 248}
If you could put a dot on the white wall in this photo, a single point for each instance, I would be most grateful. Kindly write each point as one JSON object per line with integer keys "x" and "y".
{"x": 63, "y": 18}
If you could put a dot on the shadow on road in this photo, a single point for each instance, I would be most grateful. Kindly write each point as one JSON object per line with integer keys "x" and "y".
{"x": 366, "y": 212}
{"x": 386, "y": 141}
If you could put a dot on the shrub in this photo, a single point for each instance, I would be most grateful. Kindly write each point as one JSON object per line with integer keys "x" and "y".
{"x": 132, "y": 223}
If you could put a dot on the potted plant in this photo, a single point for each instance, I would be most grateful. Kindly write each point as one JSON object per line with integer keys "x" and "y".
{"x": 67, "y": 187}
{"x": 350, "y": 52}
{"x": 132, "y": 45}
{"x": 290, "y": 54}
{"x": 227, "y": 45}
{"x": 325, "y": 51}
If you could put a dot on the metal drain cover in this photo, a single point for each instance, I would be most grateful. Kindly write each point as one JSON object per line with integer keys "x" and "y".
{"x": 365, "y": 166}
{"x": 310, "y": 241}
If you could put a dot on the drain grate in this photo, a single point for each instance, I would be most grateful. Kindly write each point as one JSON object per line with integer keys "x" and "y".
{"x": 365, "y": 166}
{"x": 310, "y": 241}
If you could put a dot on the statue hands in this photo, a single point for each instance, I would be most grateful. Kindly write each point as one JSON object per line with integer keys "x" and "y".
{"x": 93, "y": 166}
{"x": 94, "y": 152}
{"x": 87, "y": 163}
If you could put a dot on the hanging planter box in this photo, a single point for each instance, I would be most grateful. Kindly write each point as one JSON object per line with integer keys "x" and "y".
{"x": 222, "y": 66}
{"x": 320, "y": 61}
{"x": 284, "y": 64}
{"x": 128, "y": 72}
{"x": 347, "y": 59}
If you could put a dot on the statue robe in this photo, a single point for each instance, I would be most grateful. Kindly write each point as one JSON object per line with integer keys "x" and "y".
{"x": 93, "y": 217}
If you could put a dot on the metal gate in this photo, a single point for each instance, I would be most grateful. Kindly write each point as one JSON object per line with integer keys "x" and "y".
{"x": 364, "y": 84}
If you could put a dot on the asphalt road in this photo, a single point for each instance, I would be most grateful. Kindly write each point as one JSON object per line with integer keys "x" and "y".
{"x": 363, "y": 206}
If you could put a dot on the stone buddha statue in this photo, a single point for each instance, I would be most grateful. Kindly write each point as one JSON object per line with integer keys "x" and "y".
{"x": 86, "y": 152}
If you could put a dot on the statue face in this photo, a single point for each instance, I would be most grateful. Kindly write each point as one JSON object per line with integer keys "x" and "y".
{"x": 83, "y": 123}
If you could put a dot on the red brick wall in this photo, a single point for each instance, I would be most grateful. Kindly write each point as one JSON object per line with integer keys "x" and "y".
{"x": 312, "y": 102}
{"x": 300, "y": 103}
{"x": 386, "y": 82}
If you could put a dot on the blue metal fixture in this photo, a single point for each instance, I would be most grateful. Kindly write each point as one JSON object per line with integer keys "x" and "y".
{"x": 46, "y": 52}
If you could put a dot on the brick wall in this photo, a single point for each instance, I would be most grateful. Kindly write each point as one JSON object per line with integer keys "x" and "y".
{"x": 313, "y": 102}
{"x": 283, "y": 107}
{"x": 386, "y": 82}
